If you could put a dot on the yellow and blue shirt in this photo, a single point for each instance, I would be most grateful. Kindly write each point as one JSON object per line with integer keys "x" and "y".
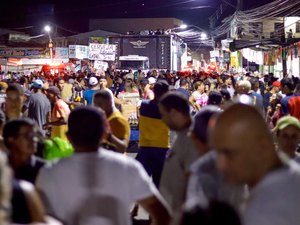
{"x": 153, "y": 131}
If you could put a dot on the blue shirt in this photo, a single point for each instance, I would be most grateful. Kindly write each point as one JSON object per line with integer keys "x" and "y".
{"x": 184, "y": 92}
{"x": 88, "y": 96}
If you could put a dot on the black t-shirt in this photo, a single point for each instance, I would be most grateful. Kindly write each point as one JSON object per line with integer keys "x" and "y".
{"x": 30, "y": 170}
{"x": 20, "y": 210}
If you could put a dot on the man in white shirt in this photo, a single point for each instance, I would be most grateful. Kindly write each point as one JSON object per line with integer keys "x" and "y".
{"x": 96, "y": 186}
{"x": 246, "y": 154}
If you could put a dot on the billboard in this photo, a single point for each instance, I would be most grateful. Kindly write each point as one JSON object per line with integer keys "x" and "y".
{"x": 141, "y": 46}
{"x": 156, "y": 48}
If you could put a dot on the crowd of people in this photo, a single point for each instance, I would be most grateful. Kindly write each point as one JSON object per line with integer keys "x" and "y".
{"x": 213, "y": 148}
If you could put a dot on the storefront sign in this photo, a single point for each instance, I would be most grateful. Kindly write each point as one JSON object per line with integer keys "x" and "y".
{"x": 25, "y": 53}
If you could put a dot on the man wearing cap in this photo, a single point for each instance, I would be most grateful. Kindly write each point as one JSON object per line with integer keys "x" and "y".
{"x": 88, "y": 94}
{"x": 288, "y": 135}
{"x": 38, "y": 105}
{"x": 59, "y": 115}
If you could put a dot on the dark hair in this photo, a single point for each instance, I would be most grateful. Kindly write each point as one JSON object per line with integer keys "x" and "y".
{"x": 287, "y": 82}
{"x": 15, "y": 87}
{"x": 182, "y": 82}
{"x": 103, "y": 94}
{"x": 161, "y": 87}
{"x": 56, "y": 80}
{"x": 215, "y": 214}
{"x": 175, "y": 100}
{"x": 254, "y": 82}
{"x": 225, "y": 94}
{"x": 12, "y": 128}
{"x": 79, "y": 79}
{"x": 102, "y": 78}
{"x": 82, "y": 118}
{"x": 214, "y": 98}
{"x": 201, "y": 119}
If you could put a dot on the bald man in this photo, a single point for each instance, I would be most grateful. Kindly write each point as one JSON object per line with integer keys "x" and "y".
{"x": 246, "y": 154}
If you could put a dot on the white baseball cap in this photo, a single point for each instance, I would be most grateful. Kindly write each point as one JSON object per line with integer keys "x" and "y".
{"x": 93, "y": 81}
{"x": 152, "y": 80}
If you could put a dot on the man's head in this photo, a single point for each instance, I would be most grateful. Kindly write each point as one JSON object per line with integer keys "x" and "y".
{"x": 93, "y": 81}
{"x": 243, "y": 87}
{"x": 175, "y": 111}
{"x": 199, "y": 86}
{"x": 60, "y": 83}
{"x": 21, "y": 136}
{"x": 81, "y": 118}
{"x": 160, "y": 88}
{"x": 183, "y": 83}
{"x": 102, "y": 82}
{"x": 14, "y": 99}
{"x": 214, "y": 98}
{"x": 53, "y": 93}
{"x": 103, "y": 99}
{"x": 287, "y": 85}
{"x": 37, "y": 84}
{"x": 152, "y": 82}
{"x": 254, "y": 83}
{"x": 199, "y": 128}
{"x": 244, "y": 144}
{"x": 288, "y": 135}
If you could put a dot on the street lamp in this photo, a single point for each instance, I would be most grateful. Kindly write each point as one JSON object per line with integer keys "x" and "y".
{"x": 203, "y": 36}
{"x": 183, "y": 26}
{"x": 47, "y": 28}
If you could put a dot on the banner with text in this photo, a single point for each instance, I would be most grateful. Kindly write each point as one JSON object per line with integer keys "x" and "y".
{"x": 100, "y": 65}
{"x": 60, "y": 53}
{"x": 102, "y": 52}
{"x": 78, "y": 52}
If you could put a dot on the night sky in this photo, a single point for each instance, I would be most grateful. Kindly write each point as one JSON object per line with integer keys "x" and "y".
{"x": 73, "y": 15}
